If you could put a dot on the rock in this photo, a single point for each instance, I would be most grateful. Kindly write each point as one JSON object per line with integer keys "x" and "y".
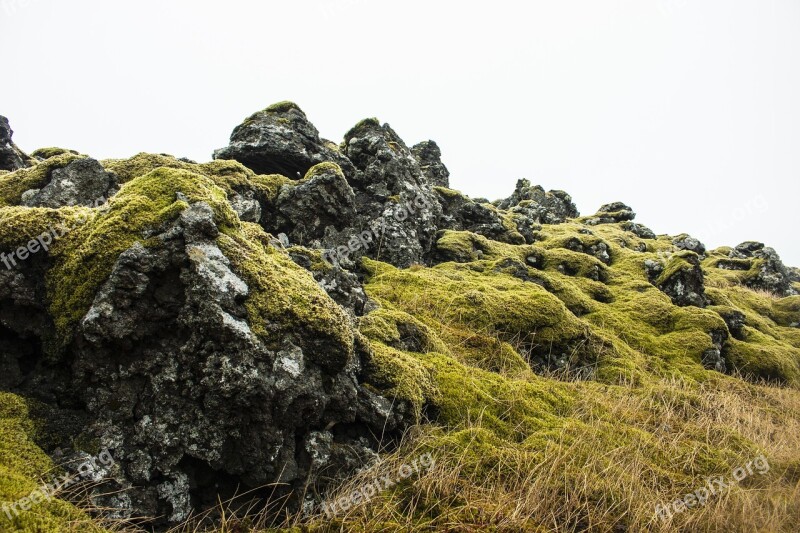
{"x": 598, "y": 249}
{"x": 460, "y": 213}
{"x": 681, "y": 279}
{"x": 736, "y": 321}
{"x": 747, "y": 249}
{"x": 641, "y": 231}
{"x": 611, "y": 214}
{"x": 246, "y": 206}
{"x": 321, "y": 203}
{"x": 193, "y": 404}
{"x": 713, "y": 358}
{"x": 429, "y": 157}
{"x": 687, "y": 242}
{"x": 392, "y": 195}
{"x": 553, "y": 207}
{"x": 11, "y": 157}
{"x": 342, "y": 286}
{"x": 770, "y": 273}
{"x": 279, "y": 140}
{"x": 81, "y": 182}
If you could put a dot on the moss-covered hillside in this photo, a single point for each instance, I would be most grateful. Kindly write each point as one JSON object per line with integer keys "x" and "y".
{"x": 565, "y": 373}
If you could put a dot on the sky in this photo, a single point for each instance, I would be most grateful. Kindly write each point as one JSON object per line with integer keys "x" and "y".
{"x": 686, "y": 110}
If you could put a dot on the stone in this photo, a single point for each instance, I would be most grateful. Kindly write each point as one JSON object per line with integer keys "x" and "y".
{"x": 11, "y": 157}
{"x": 279, "y": 140}
{"x": 81, "y": 182}
{"x": 429, "y": 157}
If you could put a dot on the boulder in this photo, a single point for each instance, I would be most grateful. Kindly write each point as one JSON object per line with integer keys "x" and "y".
{"x": 81, "y": 182}
{"x": 612, "y": 213}
{"x": 279, "y": 140}
{"x": 553, "y": 207}
{"x": 767, "y": 272}
{"x": 681, "y": 278}
{"x": 429, "y": 157}
{"x": 11, "y": 157}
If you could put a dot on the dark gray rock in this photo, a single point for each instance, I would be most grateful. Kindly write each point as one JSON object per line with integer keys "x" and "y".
{"x": 460, "y": 213}
{"x": 279, "y": 140}
{"x": 553, "y": 207}
{"x": 598, "y": 249}
{"x": 640, "y": 230}
{"x": 612, "y": 213}
{"x": 193, "y": 405}
{"x": 681, "y": 279}
{"x": 343, "y": 286}
{"x": 392, "y": 193}
{"x": 713, "y": 358}
{"x": 318, "y": 205}
{"x": 81, "y": 182}
{"x": 736, "y": 321}
{"x": 11, "y": 157}
{"x": 429, "y": 157}
{"x": 246, "y": 206}
{"x": 687, "y": 242}
{"x": 771, "y": 274}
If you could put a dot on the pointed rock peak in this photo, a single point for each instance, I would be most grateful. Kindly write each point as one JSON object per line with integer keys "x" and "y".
{"x": 11, "y": 157}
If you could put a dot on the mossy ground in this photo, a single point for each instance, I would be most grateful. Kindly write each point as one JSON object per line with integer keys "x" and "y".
{"x": 520, "y": 451}
{"x": 23, "y": 471}
{"x": 633, "y": 420}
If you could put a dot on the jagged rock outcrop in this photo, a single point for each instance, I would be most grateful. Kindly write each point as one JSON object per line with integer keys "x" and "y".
{"x": 553, "y": 207}
{"x": 319, "y": 204}
{"x": 206, "y": 360}
{"x": 429, "y": 157}
{"x": 687, "y": 242}
{"x": 464, "y": 214}
{"x": 767, "y": 271}
{"x": 681, "y": 278}
{"x": 271, "y": 317}
{"x": 11, "y": 157}
{"x": 279, "y": 140}
{"x": 640, "y": 230}
{"x": 81, "y": 182}
{"x": 612, "y": 213}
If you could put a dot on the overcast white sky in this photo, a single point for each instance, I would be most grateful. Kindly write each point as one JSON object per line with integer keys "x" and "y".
{"x": 687, "y": 110}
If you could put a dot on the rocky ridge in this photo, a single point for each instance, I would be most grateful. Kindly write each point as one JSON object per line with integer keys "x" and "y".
{"x": 242, "y": 322}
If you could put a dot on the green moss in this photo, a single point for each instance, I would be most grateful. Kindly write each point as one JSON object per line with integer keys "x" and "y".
{"x": 400, "y": 375}
{"x": 323, "y": 168}
{"x": 47, "y": 153}
{"x": 283, "y": 107}
{"x": 284, "y": 299}
{"x": 764, "y": 357}
{"x": 230, "y": 176}
{"x": 13, "y": 184}
{"x": 367, "y": 123}
{"x": 143, "y": 207}
{"x": 24, "y": 468}
{"x": 449, "y": 194}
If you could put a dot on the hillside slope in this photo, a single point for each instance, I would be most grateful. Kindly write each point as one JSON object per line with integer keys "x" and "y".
{"x": 278, "y": 327}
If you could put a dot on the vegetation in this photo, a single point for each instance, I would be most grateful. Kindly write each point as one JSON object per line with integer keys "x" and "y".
{"x": 626, "y": 417}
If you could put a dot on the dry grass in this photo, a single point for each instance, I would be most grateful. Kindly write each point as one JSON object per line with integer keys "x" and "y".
{"x": 577, "y": 484}
{"x": 585, "y": 485}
